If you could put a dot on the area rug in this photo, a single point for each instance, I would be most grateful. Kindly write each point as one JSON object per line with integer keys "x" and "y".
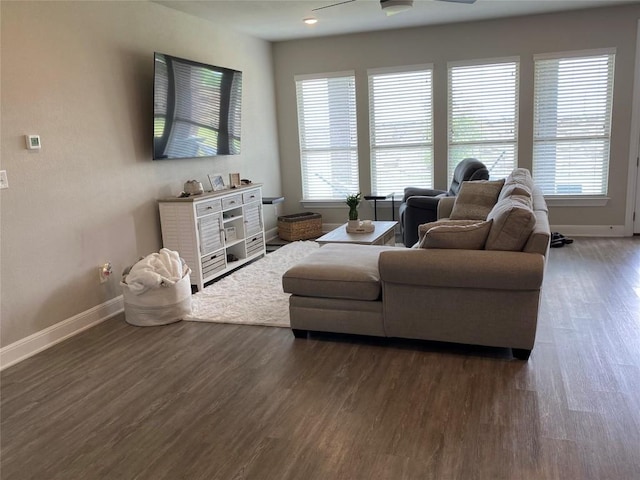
{"x": 252, "y": 295}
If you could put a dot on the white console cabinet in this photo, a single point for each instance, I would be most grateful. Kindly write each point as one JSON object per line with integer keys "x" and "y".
{"x": 215, "y": 232}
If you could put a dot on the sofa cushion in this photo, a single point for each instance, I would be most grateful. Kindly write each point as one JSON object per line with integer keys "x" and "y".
{"x": 520, "y": 176}
{"x": 513, "y": 222}
{"x": 539, "y": 239}
{"x": 425, "y": 227}
{"x": 476, "y": 199}
{"x": 515, "y": 189}
{"x": 468, "y": 237}
{"x": 337, "y": 271}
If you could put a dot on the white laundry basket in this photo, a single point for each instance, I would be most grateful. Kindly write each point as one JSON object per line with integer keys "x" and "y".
{"x": 158, "y": 306}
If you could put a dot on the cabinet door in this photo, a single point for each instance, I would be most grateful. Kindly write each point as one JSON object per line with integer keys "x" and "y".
{"x": 253, "y": 218}
{"x": 210, "y": 233}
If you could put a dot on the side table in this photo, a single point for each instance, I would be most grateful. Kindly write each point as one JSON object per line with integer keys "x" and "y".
{"x": 375, "y": 199}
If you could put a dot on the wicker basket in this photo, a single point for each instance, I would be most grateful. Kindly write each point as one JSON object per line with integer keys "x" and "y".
{"x": 300, "y": 226}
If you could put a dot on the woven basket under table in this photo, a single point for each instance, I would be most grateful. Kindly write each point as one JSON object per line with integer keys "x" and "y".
{"x": 299, "y": 226}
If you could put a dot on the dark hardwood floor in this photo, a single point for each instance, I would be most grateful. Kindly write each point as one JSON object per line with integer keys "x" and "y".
{"x": 210, "y": 401}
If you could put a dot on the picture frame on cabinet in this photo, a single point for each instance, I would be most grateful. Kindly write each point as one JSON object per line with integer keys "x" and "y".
{"x": 234, "y": 180}
{"x": 217, "y": 183}
{"x": 230, "y": 234}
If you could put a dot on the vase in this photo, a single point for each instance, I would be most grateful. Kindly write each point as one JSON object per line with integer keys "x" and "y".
{"x": 353, "y": 224}
{"x": 353, "y": 212}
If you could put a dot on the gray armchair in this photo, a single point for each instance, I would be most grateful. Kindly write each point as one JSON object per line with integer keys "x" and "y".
{"x": 420, "y": 205}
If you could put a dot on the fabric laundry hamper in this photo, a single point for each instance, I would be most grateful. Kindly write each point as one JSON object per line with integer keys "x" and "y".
{"x": 152, "y": 299}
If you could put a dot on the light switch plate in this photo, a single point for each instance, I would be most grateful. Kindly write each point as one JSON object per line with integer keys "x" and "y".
{"x": 33, "y": 142}
{"x": 4, "y": 181}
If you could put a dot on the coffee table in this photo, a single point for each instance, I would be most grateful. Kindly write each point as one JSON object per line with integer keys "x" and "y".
{"x": 383, "y": 234}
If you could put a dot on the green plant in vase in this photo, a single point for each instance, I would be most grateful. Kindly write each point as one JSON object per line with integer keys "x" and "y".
{"x": 353, "y": 201}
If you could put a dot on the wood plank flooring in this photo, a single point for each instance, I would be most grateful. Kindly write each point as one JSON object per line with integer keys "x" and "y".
{"x": 208, "y": 401}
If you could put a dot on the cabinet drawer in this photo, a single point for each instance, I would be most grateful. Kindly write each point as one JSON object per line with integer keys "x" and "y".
{"x": 231, "y": 202}
{"x": 213, "y": 263}
{"x": 207, "y": 207}
{"x": 251, "y": 196}
{"x": 255, "y": 245}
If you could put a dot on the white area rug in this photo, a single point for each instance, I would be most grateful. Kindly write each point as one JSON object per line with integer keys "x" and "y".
{"x": 252, "y": 295}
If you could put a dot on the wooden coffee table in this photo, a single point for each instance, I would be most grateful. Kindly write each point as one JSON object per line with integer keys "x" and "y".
{"x": 383, "y": 234}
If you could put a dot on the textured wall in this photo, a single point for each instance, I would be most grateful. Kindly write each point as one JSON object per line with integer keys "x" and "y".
{"x": 80, "y": 75}
{"x": 520, "y": 36}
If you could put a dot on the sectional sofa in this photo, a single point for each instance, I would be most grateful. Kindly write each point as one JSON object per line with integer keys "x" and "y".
{"x": 474, "y": 277}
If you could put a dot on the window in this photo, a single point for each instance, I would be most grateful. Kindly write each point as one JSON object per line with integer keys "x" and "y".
{"x": 328, "y": 138}
{"x": 572, "y": 122}
{"x": 401, "y": 128}
{"x": 483, "y": 114}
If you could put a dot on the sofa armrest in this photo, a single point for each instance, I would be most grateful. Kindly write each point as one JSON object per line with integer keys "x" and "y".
{"x": 423, "y": 203}
{"x": 420, "y": 192}
{"x": 483, "y": 269}
{"x": 445, "y": 206}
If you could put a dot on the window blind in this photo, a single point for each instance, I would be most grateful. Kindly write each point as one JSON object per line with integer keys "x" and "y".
{"x": 572, "y": 123}
{"x": 328, "y": 138}
{"x": 483, "y": 115}
{"x": 401, "y": 129}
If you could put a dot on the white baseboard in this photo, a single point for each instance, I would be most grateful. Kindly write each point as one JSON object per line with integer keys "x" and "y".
{"x": 39, "y": 341}
{"x": 567, "y": 230}
{"x": 29, "y": 346}
{"x": 271, "y": 234}
{"x": 590, "y": 230}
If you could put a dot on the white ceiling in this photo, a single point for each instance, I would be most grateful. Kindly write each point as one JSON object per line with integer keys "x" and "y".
{"x": 277, "y": 20}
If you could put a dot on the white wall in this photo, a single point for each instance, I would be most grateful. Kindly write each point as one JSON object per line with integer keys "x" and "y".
{"x": 80, "y": 75}
{"x": 521, "y": 36}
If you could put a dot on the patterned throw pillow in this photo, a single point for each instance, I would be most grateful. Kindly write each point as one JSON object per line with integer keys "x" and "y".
{"x": 467, "y": 237}
{"x": 476, "y": 199}
{"x": 425, "y": 227}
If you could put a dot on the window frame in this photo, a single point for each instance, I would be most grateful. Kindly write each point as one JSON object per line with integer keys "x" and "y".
{"x": 514, "y": 140}
{"x": 375, "y": 146}
{"x": 573, "y": 198}
{"x": 302, "y": 131}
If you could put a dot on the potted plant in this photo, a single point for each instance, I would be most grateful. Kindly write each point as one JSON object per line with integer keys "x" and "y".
{"x": 353, "y": 201}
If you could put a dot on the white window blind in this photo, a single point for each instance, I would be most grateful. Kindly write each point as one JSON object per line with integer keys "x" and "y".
{"x": 328, "y": 138}
{"x": 572, "y": 123}
{"x": 401, "y": 129}
{"x": 483, "y": 114}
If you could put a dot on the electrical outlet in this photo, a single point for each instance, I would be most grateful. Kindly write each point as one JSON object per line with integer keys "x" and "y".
{"x": 4, "y": 181}
{"x": 104, "y": 271}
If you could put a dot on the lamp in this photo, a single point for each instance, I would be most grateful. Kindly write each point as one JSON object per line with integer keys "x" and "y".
{"x": 391, "y": 7}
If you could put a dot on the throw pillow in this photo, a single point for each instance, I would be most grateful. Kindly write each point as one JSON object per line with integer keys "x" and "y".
{"x": 467, "y": 237}
{"x": 425, "y": 227}
{"x": 476, "y": 199}
{"x": 513, "y": 222}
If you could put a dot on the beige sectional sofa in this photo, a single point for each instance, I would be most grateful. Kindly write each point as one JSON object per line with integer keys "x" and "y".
{"x": 468, "y": 280}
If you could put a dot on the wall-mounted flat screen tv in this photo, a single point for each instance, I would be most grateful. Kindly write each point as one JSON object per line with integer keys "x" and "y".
{"x": 196, "y": 109}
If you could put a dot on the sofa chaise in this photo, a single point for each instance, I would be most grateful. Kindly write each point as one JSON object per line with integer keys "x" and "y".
{"x": 474, "y": 277}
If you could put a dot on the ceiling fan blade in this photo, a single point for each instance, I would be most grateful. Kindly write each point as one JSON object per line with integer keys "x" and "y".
{"x": 459, "y": 1}
{"x": 333, "y": 5}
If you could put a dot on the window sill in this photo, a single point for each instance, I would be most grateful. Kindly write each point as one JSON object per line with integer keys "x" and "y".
{"x": 323, "y": 203}
{"x": 341, "y": 203}
{"x": 575, "y": 201}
